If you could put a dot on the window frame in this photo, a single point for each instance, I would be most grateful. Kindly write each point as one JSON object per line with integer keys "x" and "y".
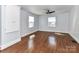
{"x": 52, "y": 25}
{"x": 31, "y": 22}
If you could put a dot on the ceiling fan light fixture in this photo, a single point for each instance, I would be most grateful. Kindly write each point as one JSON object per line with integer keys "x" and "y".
{"x": 49, "y": 11}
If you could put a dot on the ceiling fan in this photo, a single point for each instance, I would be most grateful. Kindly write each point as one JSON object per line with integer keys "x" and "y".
{"x": 49, "y": 11}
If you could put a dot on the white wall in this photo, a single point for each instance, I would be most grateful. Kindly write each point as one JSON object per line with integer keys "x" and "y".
{"x": 74, "y": 19}
{"x": 0, "y": 25}
{"x": 76, "y": 24}
{"x": 24, "y": 23}
{"x": 9, "y": 38}
{"x": 62, "y": 23}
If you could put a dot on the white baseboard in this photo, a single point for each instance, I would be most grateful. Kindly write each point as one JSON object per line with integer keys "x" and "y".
{"x": 54, "y": 31}
{"x": 73, "y": 36}
{"x": 29, "y": 33}
{"x": 10, "y": 43}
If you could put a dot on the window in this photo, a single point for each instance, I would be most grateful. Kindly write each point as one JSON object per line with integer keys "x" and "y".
{"x": 31, "y": 21}
{"x": 52, "y": 21}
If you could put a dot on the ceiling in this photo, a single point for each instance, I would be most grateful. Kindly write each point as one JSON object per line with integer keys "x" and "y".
{"x": 41, "y": 9}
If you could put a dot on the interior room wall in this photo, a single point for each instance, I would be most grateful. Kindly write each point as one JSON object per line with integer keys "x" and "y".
{"x": 24, "y": 23}
{"x": 0, "y": 26}
{"x": 76, "y": 25}
{"x": 62, "y": 22}
{"x": 74, "y": 19}
{"x": 9, "y": 38}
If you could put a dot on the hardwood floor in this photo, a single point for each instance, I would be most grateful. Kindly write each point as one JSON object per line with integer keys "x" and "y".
{"x": 64, "y": 44}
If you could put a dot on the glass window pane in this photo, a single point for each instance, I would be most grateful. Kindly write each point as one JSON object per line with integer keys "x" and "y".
{"x": 31, "y": 21}
{"x": 52, "y": 21}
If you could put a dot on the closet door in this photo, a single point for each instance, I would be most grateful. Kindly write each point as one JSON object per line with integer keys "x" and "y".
{"x": 12, "y": 18}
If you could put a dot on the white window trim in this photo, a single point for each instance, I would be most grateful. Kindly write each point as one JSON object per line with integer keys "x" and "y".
{"x": 51, "y": 25}
{"x": 31, "y": 23}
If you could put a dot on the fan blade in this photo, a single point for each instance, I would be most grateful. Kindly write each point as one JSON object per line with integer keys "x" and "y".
{"x": 52, "y": 11}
